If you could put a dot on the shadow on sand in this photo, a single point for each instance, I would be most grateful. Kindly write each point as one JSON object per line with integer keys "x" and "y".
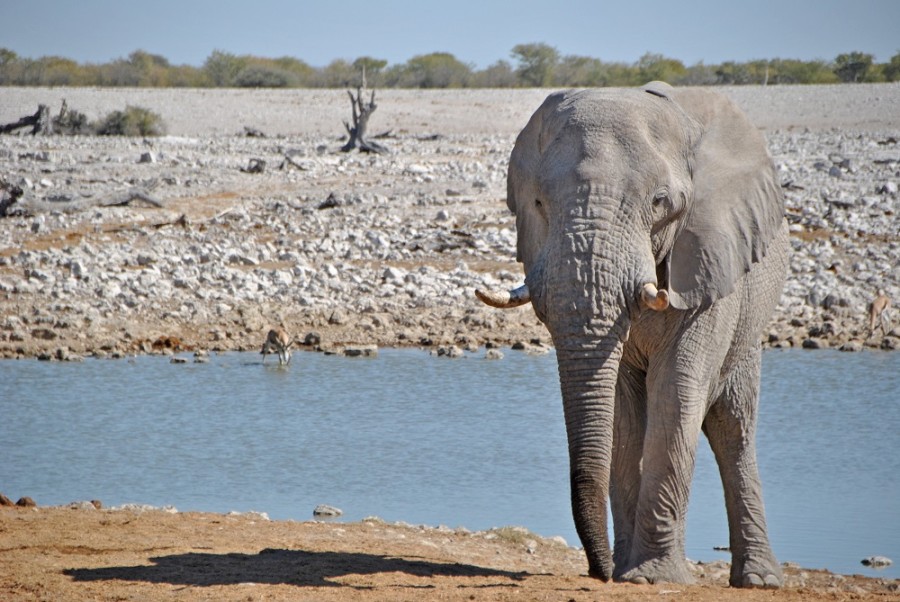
{"x": 271, "y": 566}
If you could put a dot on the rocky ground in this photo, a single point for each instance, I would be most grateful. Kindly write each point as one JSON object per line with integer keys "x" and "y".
{"x": 158, "y": 245}
{"x": 136, "y": 553}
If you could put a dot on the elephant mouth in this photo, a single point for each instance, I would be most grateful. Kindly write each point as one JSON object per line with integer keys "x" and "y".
{"x": 657, "y": 300}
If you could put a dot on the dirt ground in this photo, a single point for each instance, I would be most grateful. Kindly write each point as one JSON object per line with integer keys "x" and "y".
{"x": 77, "y": 554}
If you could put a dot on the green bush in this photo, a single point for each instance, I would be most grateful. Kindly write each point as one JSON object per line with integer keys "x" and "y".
{"x": 133, "y": 121}
{"x": 257, "y": 76}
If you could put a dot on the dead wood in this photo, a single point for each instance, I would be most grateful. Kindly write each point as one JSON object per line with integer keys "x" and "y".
{"x": 41, "y": 123}
{"x": 295, "y": 160}
{"x": 253, "y": 132}
{"x": 137, "y": 195}
{"x": 361, "y": 112}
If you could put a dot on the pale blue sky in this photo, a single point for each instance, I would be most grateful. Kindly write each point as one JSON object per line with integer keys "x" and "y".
{"x": 477, "y": 32}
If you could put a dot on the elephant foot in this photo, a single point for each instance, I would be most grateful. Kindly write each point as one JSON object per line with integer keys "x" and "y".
{"x": 659, "y": 570}
{"x": 762, "y": 572}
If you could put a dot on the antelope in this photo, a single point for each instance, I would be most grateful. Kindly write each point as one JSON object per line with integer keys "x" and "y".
{"x": 278, "y": 341}
{"x": 878, "y": 314}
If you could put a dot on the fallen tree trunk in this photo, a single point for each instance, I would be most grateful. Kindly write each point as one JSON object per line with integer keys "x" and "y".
{"x": 41, "y": 123}
{"x": 137, "y": 195}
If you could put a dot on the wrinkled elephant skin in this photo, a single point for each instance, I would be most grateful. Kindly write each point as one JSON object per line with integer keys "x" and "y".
{"x": 651, "y": 229}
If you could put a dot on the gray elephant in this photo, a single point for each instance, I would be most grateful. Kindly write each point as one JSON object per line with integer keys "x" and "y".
{"x": 651, "y": 228}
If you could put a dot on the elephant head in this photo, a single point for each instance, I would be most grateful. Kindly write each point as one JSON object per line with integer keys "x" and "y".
{"x": 628, "y": 201}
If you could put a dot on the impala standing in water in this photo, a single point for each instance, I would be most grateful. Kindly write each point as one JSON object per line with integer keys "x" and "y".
{"x": 279, "y": 342}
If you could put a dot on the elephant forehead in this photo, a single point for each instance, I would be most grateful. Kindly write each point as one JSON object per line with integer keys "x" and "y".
{"x": 611, "y": 173}
{"x": 614, "y": 123}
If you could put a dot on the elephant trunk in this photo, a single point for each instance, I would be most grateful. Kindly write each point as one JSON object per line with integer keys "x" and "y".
{"x": 588, "y": 382}
{"x": 590, "y": 299}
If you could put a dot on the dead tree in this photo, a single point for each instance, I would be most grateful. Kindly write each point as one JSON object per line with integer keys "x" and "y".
{"x": 41, "y": 123}
{"x": 13, "y": 203}
{"x": 361, "y": 113}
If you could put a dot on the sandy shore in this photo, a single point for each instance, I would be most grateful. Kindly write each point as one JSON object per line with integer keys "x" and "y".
{"x": 88, "y": 554}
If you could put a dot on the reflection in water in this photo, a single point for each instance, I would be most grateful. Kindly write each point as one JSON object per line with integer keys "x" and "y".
{"x": 410, "y": 437}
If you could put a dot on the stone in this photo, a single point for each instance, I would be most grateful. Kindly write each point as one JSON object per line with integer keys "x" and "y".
{"x": 5, "y": 501}
{"x": 493, "y": 354}
{"x": 450, "y": 351}
{"x": 26, "y": 502}
{"x": 887, "y": 188}
{"x": 324, "y": 510}
{"x": 361, "y": 351}
{"x": 851, "y": 346}
{"x": 877, "y": 561}
{"x": 392, "y": 274}
{"x": 45, "y": 334}
{"x": 814, "y": 344}
{"x": 82, "y": 505}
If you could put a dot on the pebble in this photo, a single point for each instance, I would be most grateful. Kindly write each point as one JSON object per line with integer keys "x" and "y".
{"x": 393, "y": 261}
{"x": 878, "y": 562}
{"x": 324, "y": 510}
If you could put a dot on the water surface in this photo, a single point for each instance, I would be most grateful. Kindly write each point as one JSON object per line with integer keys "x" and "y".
{"x": 410, "y": 437}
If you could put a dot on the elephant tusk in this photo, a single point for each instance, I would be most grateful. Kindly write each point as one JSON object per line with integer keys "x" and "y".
{"x": 505, "y": 299}
{"x": 655, "y": 299}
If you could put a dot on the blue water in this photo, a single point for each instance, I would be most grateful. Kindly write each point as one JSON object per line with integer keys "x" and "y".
{"x": 410, "y": 437}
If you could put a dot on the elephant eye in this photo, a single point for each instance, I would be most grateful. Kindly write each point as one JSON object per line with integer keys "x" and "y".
{"x": 537, "y": 203}
{"x": 661, "y": 197}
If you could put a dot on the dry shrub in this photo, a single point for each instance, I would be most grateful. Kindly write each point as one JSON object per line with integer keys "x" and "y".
{"x": 133, "y": 121}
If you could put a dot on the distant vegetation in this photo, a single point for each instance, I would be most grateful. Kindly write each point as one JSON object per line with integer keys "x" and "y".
{"x": 533, "y": 65}
{"x": 133, "y": 121}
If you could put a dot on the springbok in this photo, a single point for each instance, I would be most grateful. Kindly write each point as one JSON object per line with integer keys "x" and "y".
{"x": 278, "y": 341}
{"x": 878, "y": 314}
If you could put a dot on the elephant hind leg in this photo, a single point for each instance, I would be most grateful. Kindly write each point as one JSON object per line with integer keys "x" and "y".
{"x": 730, "y": 426}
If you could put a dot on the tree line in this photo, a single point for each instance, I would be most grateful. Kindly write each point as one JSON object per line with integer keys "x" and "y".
{"x": 532, "y": 65}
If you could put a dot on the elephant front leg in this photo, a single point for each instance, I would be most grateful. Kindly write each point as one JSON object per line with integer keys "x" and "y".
{"x": 629, "y": 425}
{"x": 674, "y": 419}
{"x": 730, "y": 427}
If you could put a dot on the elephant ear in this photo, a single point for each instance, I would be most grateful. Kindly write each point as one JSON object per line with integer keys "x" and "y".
{"x": 737, "y": 206}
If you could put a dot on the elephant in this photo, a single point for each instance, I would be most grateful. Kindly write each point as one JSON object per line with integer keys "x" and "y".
{"x": 652, "y": 231}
